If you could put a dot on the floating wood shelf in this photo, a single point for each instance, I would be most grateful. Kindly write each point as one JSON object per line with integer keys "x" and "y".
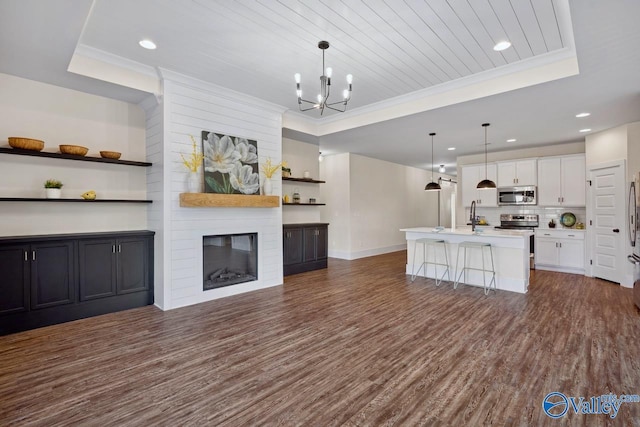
{"x": 19, "y": 152}
{"x": 210, "y": 200}
{"x": 313, "y": 181}
{"x": 304, "y": 204}
{"x": 36, "y": 199}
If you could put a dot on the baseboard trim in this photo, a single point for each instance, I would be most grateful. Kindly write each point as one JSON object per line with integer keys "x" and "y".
{"x": 367, "y": 252}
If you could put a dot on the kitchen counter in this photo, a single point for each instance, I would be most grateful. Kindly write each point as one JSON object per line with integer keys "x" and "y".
{"x": 510, "y": 251}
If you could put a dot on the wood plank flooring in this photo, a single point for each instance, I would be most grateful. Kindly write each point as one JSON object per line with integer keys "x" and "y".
{"x": 355, "y": 344}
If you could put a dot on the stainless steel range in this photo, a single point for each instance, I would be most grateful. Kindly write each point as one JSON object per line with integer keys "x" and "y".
{"x": 518, "y": 221}
{"x": 521, "y": 222}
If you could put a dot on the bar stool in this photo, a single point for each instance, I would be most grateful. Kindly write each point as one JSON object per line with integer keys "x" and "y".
{"x": 435, "y": 243}
{"x": 471, "y": 246}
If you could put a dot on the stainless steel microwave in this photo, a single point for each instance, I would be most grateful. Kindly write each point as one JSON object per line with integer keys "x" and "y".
{"x": 517, "y": 196}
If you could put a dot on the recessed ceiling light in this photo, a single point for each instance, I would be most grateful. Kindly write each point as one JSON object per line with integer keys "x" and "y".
{"x": 502, "y": 45}
{"x": 511, "y": 140}
{"x": 451, "y": 148}
{"x": 583, "y": 115}
{"x": 147, "y": 44}
{"x": 585, "y": 130}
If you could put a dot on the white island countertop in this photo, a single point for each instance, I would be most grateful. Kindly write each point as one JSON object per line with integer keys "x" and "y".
{"x": 466, "y": 231}
{"x": 510, "y": 251}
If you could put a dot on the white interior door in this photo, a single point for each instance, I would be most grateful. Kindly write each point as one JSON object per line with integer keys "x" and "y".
{"x": 608, "y": 228}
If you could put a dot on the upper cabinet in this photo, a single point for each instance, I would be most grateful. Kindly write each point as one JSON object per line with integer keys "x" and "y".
{"x": 473, "y": 174}
{"x": 561, "y": 181}
{"x": 517, "y": 173}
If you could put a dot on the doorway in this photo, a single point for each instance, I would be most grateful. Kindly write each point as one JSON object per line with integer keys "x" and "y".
{"x": 608, "y": 223}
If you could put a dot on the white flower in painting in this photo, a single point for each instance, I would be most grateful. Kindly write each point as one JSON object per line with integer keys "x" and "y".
{"x": 244, "y": 179}
{"x": 220, "y": 154}
{"x": 248, "y": 152}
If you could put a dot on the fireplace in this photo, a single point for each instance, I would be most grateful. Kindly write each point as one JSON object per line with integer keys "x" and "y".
{"x": 229, "y": 259}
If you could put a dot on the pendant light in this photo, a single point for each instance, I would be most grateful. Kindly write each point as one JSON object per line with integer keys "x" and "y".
{"x": 432, "y": 185}
{"x": 486, "y": 182}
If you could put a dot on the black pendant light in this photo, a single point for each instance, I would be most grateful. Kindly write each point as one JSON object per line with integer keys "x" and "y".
{"x": 432, "y": 185}
{"x": 486, "y": 182}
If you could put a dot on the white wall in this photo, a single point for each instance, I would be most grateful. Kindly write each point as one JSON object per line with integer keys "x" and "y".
{"x": 606, "y": 146}
{"x": 156, "y": 176}
{"x": 336, "y": 193}
{"x": 523, "y": 153}
{"x": 63, "y": 116}
{"x": 633, "y": 149}
{"x": 189, "y": 107}
{"x": 301, "y": 157}
{"x": 383, "y": 197}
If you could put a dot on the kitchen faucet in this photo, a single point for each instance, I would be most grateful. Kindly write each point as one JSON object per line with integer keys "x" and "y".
{"x": 473, "y": 216}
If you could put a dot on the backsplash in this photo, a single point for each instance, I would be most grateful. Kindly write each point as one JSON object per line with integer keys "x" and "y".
{"x": 492, "y": 215}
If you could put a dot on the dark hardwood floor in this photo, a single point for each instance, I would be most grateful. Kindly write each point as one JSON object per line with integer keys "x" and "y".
{"x": 356, "y": 344}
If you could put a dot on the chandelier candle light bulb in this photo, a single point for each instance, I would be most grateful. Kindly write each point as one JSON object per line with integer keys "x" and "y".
{"x": 325, "y": 89}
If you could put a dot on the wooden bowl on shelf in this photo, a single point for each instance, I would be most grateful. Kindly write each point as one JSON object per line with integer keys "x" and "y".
{"x": 110, "y": 155}
{"x": 76, "y": 150}
{"x": 26, "y": 143}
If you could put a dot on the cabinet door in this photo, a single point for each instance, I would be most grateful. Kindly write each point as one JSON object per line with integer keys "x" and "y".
{"x": 487, "y": 197}
{"x": 97, "y": 268}
{"x": 506, "y": 174}
{"x": 571, "y": 253}
{"x": 468, "y": 183}
{"x": 133, "y": 265}
{"x": 322, "y": 243}
{"x": 292, "y": 246}
{"x": 52, "y": 274}
{"x": 526, "y": 172}
{"x": 549, "y": 185}
{"x": 14, "y": 265}
{"x": 546, "y": 251}
{"x": 310, "y": 244}
{"x": 573, "y": 181}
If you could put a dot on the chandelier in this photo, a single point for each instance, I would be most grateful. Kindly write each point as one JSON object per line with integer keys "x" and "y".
{"x": 325, "y": 89}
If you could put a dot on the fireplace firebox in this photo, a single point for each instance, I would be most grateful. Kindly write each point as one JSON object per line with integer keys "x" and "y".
{"x": 229, "y": 259}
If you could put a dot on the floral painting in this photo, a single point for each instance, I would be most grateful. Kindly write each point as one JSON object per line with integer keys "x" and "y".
{"x": 230, "y": 164}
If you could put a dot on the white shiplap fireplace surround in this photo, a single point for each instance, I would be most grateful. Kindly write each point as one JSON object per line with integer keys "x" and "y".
{"x": 187, "y": 107}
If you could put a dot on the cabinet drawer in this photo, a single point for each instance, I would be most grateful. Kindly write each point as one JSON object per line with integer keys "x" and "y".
{"x": 561, "y": 234}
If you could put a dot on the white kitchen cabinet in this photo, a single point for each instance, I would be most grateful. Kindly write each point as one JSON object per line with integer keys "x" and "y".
{"x": 560, "y": 250}
{"x": 471, "y": 176}
{"x": 517, "y": 173}
{"x": 562, "y": 181}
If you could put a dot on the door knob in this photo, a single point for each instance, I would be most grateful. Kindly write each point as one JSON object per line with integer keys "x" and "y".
{"x": 616, "y": 230}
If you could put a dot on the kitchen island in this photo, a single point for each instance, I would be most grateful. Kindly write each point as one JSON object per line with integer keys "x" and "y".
{"x": 510, "y": 252}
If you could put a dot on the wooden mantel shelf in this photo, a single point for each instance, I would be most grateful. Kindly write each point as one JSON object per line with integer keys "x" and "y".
{"x": 209, "y": 200}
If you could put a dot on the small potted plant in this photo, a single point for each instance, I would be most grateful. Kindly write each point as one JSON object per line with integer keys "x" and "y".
{"x": 269, "y": 169}
{"x": 193, "y": 163}
{"x": 53, "y": 188}
{"x": 286, "y": 170}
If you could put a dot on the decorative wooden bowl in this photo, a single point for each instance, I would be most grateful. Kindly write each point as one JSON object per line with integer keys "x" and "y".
{"x": 26, "y": 143}
{"x": 110, "y": 155}
{"x": 76, "y": 150}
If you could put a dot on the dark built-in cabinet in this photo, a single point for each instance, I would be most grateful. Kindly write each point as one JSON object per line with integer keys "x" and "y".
{"x": 304, "y": 247}
{"x": 57, "y": 278}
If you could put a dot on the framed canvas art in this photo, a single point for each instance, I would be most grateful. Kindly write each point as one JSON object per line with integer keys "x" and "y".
{"x": 230, "y": 164}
